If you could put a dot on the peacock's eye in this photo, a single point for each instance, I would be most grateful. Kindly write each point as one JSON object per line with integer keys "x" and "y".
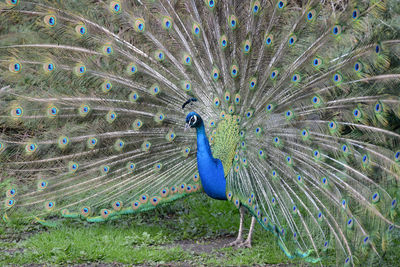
{"x": 193, "y": 120}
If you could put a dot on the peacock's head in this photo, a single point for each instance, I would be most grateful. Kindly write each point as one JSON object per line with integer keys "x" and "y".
{"x": 193, "y": 120}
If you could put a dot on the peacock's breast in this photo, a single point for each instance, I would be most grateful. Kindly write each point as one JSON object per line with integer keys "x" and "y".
{"x": 224, "y": 141}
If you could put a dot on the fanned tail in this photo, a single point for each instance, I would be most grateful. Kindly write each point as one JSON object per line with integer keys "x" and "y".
{"x": 92, "y": 124}
{"x": 318, "y": 161}
{"x": 92, "y": 112}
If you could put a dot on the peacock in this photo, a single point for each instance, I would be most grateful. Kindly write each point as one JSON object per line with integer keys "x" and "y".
{"x": 289, "y": 109}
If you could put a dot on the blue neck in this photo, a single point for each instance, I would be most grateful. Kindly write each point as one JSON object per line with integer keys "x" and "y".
{"x": 210, "y": 169}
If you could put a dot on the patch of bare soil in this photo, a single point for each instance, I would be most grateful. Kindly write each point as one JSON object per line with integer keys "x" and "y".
{"x": 203, "y": 246}
{"x": 210, "y": 246}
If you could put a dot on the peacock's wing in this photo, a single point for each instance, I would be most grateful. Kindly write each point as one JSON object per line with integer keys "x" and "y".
{"x": 91, "y": 105}
{"x": 318, "y": 160}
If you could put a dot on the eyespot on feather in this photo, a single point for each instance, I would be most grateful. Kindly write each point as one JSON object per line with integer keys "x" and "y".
{"x": 155, "y": 200}
{"x": 52, "y": 111}
{"x": 310, "y": 17}
{"x": 115, "y": 7}
{"x": 50, "y": 20}
{"x": 84, "y": 110}
{"x": 268, "y": 39}
{"x": 130, "y": 166}
{"x": 135, "y": 205}
{"x": 196, "y": 29}
{"x": 155, "y": 89}
{"x": 274, "y": 74}
{"x": 223, "y": 41}
{"x": 336, "y": 30}
{"x": 17, "y": 112}
{"x": 159, "y": 117}
{"x": 164, "y": 192}
{"x": 157, "y": 167}
{"x": 79, "y": 70}
{"x": 137, "y": 124}
{"x": 211, "y": 3}
{"x": 159, "y": 55}
{"x": 144, "y": 198}
{"x": 104, "y": 169}
{"x": 255, "y": 7}
{"x": 31, "y": 148}
{"x": 111, "y": 116}
{"x": 146, "y": 146}
{"x": 139, "y": 25}
{"x": 186, "y": 59}
{"x": 252, "y": 83}
{"x": 12, "y": 3}
{"x": 81, "y": 30}
{"x": 119, "y": 145}
{"x": 85, "y": 211}
{"x": 234, "y": 70}
{"x": 166, "y": 22}
{"x": 292, "y": 40}
{"x": 133, "y": 97}
{"x": 15, "y": 66}
{"x": 42, "y": 184}
{"x": 117, "y": 205}
{"x": 185, "y": 151}
{"x": 131, "y": 69}
{"x": 246, "y": 47}
{"x": 49, "y": 205}
{"x": 105, "y": 213}
{"x": 106, "y": 86}
{"x": 215, "y": 74}
{"x": 233, "y": 22}
{"x": 73, "y": 167}
{"x": 48, "y": 67}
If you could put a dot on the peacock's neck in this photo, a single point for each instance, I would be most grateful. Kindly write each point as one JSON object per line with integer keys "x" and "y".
{"x": 203, "y": 146}
{"x": 210, "y": 169}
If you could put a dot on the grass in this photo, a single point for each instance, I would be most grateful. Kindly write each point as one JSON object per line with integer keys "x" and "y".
{"x": 189, "y": 232}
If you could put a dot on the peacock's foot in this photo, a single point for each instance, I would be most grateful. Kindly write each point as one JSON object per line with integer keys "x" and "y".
{"x": 235, "y": 243}
{"x": 245, "y": 244}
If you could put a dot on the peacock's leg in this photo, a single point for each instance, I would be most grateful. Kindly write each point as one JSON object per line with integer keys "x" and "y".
{"x": 239, "y": 239}
{"x": 247, "y": 243}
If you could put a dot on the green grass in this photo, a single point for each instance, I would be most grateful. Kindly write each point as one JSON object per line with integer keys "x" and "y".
{"x": 151, "y": 238}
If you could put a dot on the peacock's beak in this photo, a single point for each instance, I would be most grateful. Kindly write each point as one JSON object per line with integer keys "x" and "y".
{"x": 187, "y": 126}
